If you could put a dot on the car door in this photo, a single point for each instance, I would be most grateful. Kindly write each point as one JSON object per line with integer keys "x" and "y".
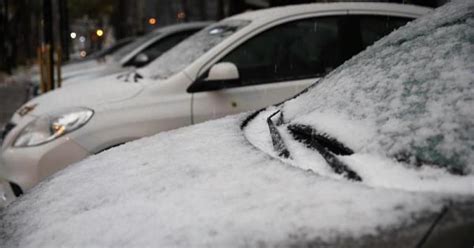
{"x": 279, "y": 62}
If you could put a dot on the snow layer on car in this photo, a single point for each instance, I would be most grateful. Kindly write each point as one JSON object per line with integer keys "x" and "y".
{"x": 409, "y": 95}
{"x": 186, "y": 52}
{"x": 98, "y": 94}
{"x": 198, "y": 187}
{"x": 376, "y": 170}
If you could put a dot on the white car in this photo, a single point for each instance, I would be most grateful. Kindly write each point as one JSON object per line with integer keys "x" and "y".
{"x": 102, "y": 53}
{"x": 242, "y": 63}
{"x": 137, "y": 54}
{"x": 377, "y": 154}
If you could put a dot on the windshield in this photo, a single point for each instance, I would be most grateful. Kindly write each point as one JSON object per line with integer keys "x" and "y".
{"x": 403, "y": 107}
{"x": 189, "y": 50}
{"x": 112, "y": 49}
{"x": 124, "y": 51}
{"x": 408, "y": 97}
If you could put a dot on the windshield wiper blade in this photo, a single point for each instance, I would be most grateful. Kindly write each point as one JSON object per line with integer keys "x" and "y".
{"x": 329, "y": 143}
{"x": 327, "y": 147}
{"x": 277, "y": 141}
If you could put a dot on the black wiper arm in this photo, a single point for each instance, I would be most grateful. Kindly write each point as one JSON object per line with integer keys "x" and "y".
{"x": 137, "y": 76}
{"x": 123, "y": 77}
{"x": 327, "y": 147}
{"x": 277, "y": 140}
{"x": 134, "y": 75}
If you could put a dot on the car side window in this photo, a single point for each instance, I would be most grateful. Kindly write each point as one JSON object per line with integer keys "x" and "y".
{"x": 156, "y": 49}
{"x": 375, "y": 27}
{"x": 307, "y": 48}
{"x": 287, "y": 52}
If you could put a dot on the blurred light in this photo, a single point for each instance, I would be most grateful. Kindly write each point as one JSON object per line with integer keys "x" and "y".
{"x": 181, "y": 15}
{"x": 73, "y": 35}
{"x": 82, "y": 39}
{"x": 83, "y": 54}
{"x": 152, "y": 21}
{"x": 216, "y": 30}
{"x": 99, "y": 32}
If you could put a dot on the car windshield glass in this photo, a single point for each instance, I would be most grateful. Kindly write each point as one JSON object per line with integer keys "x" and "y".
{"x": 192, "y": 48}
{"x": 409, "y": 97}
{"x": 124, "y": 51}
{"x": 112, "y": 49}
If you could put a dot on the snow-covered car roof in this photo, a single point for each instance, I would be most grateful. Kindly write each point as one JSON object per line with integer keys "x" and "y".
{"x": 268, "y": 15}
{"x": 221, "y": 183}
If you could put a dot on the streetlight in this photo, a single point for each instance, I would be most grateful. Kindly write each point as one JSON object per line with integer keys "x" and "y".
{"x": 152, "y": 21}
{"x": 99, "y": 32}
{"x": 181, "y": 15}
{"x": 73, "y": 35}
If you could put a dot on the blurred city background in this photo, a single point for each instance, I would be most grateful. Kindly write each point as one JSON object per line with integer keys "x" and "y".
{"x": 63, "y": 31}
{"x": 81, "y": 27}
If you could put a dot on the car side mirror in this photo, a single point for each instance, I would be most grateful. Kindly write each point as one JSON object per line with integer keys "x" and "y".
{"x": 140, "y": 60}
{"x": 221, "y": 76}
{"x": 222, "y": 72}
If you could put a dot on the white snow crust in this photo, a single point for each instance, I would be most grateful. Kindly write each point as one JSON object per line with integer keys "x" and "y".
{"x": 186, "y": 52}
{"x": 96, "y": 94}
{"x": 202, "y": 186}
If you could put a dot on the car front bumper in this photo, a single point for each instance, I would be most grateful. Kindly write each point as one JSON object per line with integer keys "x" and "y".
{"x": 26, "y": 167}
{"x": 6, "y": 193}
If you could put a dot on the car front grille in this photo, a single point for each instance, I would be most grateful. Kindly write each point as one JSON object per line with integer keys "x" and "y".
{"x": 6, "y": 129}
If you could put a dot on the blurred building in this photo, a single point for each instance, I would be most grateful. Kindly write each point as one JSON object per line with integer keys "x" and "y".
{"x": 20, "y": 21}
{"x": 141, "y": 16}
{"x": 19, "y": 34}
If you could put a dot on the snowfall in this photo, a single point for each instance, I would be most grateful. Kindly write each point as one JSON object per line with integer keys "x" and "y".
{"x": 218, "y": 185}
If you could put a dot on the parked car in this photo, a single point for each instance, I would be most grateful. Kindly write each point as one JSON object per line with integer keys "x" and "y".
{"x": 242, "y": 63}
{"x": 92, "y": 60}
{"x": 102, "y": 53}
{"x": 134, "y": 55}
{"x": 377, "y": 154}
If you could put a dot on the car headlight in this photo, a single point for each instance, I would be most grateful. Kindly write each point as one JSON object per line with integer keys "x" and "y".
{"x": 48, "y": 128}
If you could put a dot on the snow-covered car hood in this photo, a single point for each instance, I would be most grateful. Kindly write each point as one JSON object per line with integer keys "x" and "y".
{"x": 204, "y": 186}
{"x": 70, "y": 71}
{"x": 91, "y": 94}
{"x": 79, "y": 66}
{"x": 92, "y": 74}
{"x": 70, "y": 74}
{"x": 69, "y": 68}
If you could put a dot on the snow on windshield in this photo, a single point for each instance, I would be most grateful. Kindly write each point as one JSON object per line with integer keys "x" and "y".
{"x": 177, "y": 58}
{"x": 124, "y": 51}
{"x": 412, "y": 91}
